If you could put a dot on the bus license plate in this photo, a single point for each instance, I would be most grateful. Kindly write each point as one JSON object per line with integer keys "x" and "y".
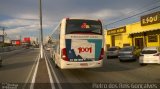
{"x": 84, "y": 64}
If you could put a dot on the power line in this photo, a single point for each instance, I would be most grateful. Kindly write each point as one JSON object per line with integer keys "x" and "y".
{"x": 134, "y": 10}
{"x": 147, "y": 5}
{"x": 133, "y": 15}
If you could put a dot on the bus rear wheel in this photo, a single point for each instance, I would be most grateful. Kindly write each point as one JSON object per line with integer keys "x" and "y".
{"x": 56, "y": 66}
{"x": 143, "y": 64}
{"x": 0, "y": 63}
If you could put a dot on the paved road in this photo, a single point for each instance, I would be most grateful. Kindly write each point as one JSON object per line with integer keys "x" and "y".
{"x": 18, "y": 67}
{"x": 113, "y": 71}
{"x": 25, "y": 67}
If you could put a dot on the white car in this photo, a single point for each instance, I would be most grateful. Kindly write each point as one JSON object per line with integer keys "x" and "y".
{"x": 150, "y": 55}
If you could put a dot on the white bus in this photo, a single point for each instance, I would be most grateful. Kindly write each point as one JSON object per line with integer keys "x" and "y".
{"x": 78, "y": 44}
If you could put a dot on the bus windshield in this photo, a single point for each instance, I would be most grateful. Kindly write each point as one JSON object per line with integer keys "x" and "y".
{"x": 76, "y": 26}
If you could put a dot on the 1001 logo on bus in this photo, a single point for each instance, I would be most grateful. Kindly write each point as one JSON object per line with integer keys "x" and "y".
{"x": 85, "y": 49}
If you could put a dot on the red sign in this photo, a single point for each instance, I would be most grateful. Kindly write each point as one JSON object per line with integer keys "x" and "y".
{"x": 16, "y": 42}
{"x": 27, "y": 39}
{"x": 81, "y": 49}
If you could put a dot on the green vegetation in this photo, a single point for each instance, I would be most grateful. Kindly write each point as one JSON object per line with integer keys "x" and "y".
{"x": 137, "y": 52}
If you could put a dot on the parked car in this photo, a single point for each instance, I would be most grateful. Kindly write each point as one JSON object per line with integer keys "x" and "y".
{"x": 128, "y": 53}
{"x": 150, "y": 55}
{"x": 113, "y": 51}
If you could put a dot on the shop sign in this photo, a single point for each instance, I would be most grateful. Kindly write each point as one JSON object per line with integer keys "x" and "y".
{"x": 152, "y": 38}
{"x": 149, "y": 19}
{"x": 117, "y": 30}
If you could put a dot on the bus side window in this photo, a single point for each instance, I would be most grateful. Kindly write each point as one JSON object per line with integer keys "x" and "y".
{"x": 59, "y": 29}
{"x": 59, "y": 45}
{"x": 58, "y": 49}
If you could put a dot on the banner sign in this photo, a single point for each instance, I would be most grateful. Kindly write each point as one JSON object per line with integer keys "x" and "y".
{"x": 149, "y": 19}
{"x": 117, "y": 30}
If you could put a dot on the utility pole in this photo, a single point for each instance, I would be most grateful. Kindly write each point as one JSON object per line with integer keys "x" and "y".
{"x": 3, "y": 34}
{"x": 41, "y": 32}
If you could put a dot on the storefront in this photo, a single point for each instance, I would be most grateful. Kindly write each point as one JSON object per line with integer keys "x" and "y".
{"x": 115, "y": 37}
{"x": 142, "y": 34}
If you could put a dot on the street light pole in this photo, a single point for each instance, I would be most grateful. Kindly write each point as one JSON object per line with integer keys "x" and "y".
{"x": 41, "y": 32}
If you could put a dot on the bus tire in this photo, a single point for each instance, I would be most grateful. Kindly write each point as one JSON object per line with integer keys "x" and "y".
{"x": 1, "y": 64}
{"x": 0, "y": 61}
{"x": 56, "y": 66}
{"x": 143, "y": 64}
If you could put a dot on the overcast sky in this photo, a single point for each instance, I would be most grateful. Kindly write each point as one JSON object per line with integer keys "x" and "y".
{"x": 21, "y": 17}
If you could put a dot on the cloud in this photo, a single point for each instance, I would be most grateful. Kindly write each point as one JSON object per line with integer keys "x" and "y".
{"x": 22, "y": 30}
{"x": 16, "y": 22}
{"x": 28, "y": 23}
{"x": 22, "y": 16}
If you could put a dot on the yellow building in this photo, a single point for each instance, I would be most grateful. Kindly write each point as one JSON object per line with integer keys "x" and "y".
{"x": 145, "y": 33}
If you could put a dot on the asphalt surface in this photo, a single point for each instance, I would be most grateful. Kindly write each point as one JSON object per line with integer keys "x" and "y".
{"x": 21, "y": 68}
{"x": 114, "y": 72}
{"x": 17, "y": 68}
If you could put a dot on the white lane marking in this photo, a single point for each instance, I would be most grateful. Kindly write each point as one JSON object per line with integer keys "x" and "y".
{"x": 34, "y": 75}
{"x": 55, "y": 76}
{"x": 29, "y": 75}
{"x": 49, "y": 73}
